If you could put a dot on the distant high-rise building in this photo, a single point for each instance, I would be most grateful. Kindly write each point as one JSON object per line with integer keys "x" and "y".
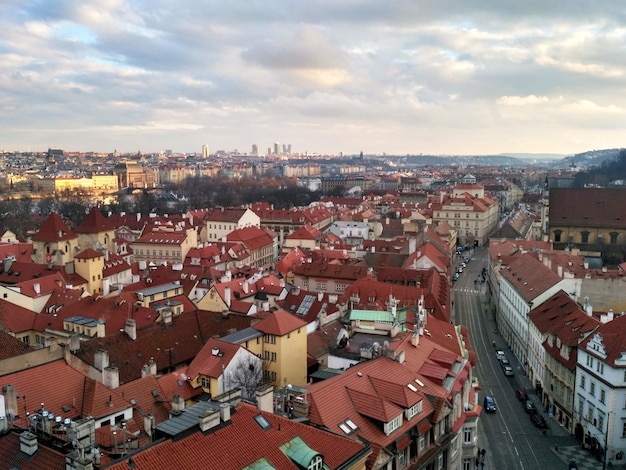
{"x": 205, "y": 151}
{"x": 289, "y": 149}
{"x": 277, "y": 148}
{"x": 168, "y": 152}
{"x": 255, "y": 149}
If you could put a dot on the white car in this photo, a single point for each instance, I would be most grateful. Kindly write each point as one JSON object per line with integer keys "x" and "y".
{"x": 500, "y": 355}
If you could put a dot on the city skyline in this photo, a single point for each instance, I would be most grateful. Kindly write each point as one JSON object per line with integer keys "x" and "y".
{"x": 378, "y": 77}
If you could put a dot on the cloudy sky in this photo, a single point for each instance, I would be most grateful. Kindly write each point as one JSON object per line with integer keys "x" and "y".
{"x": 328, "y": 76}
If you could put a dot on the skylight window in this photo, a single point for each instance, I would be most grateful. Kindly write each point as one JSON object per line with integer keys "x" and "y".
{"x": 419, "y": 382}
{"x": 350, "y": 423}
{"x": 261, "y": 421}
{"x": 412, "y": 387}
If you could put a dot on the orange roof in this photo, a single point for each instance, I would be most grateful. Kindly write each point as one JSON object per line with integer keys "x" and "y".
{"x": 279, "y": 323}
{"x": 54, "y": 229}
{"x": 214, "y": 356}
{"x": 225, "y": 448}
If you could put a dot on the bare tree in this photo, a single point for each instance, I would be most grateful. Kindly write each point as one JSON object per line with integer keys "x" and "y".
{"x": 247, "y": 376}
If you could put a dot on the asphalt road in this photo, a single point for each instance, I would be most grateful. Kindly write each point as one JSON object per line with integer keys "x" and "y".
{"x": 510, "y": 439}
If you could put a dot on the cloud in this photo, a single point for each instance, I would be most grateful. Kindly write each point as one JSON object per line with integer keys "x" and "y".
{"x": 327, "y": 76}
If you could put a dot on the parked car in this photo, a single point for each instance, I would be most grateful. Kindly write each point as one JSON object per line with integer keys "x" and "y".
{"x": 521, "y": 394}
{"x": 530, "y": 407}
{"x": 508, "y": 371}
{"x": 539, "y": 421}
{"x": 455, "y": 276}
{"x": 489, "y": 404}
{"x": 504, "y": 362}
{"x": 500, "y": 354}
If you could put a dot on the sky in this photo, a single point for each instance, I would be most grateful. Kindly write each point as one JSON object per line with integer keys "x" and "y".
{"x": 438, "y": 77}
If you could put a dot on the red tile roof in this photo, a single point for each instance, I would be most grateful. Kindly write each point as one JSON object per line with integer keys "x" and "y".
{"x": 89, "y": 253}
{"x": 279, "y": 323}
{"x": 225, "y": 449}
{"x": 54, "y": 229}
{"x": 10, "y": 346}
{"x": 529, "y": 276}
{"x": 214, "y": 356}
{"x": 95, "y": 222}
{"x": 13, "y": 458}
{"x": 588, "y": 207}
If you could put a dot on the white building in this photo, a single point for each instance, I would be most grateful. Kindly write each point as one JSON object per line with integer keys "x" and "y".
{"x": 600, "y": 393}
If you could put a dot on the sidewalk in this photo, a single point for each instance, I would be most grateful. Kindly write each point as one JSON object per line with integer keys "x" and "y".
{"x": 583, "y": 458}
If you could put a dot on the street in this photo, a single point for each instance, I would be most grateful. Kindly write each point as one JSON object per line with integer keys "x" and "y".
{"x": 509, "y": 437}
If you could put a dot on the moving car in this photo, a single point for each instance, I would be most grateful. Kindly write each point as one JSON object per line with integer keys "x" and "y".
{"x": 489, "y": 404}
{"x": 539, "y": 421}
{"x": 508, "y": 371}
{"x": 530, "y": 407}
{"x": 521, "y": 394}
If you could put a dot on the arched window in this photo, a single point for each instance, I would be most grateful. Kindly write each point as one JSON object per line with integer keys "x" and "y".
{"x": 584, "y": 237}
{"x": 557, "y": 235}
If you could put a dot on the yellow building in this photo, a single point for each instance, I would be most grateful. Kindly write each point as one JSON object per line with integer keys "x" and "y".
{"x": 160, "y": 246}
{"x": 283, "y": 349}
{"x": 55, "y": 243}
{"x": 89, "y": 264}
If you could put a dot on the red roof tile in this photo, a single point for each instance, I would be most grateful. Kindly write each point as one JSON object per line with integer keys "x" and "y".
{"x": 95, "y": 222}
{"x": 210, "y": 364}
{"x": 279, "y": 323}
{"x": 225, "y": 449}
{"x": 54, "y": 229}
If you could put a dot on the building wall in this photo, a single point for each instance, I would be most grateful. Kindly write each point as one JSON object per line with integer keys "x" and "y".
{"x": 91, "y": 270}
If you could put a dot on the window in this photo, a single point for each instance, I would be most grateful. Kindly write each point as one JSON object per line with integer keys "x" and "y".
{"x": 592, "y": 389}
{"x": 317, "y": 463}
{"x": 584, "y": 237}
{"x": 600, "y": 421}
{"x": 467, "y": 464}
{"x": 557, "y": 235}
{"x": 269, "y": 339}
{"x": 273, "y": 357}
{"x": 205, "y": 382}
{"x": 624, "y": 429}
{"x": 600, "y": 367}
{"x": 602, "y": 395}
{"x": 582, "y": 381}
{"x": 467, "y": 436}
{"x": 393, "y": 424}
{"x": 26, "y": 339}
{"x": 415, "y": 410}
{"x": 422, "y": 440}
{"x": 613, "y": 237}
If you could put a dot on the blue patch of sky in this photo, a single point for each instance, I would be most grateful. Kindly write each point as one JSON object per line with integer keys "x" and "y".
{"x": 74, "y": 32}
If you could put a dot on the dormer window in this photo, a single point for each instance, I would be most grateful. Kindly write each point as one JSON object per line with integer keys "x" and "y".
{"x": 392, "y": 425}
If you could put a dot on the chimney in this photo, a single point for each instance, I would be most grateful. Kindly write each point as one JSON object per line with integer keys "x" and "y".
{"x": 131, "y": 328}
{"x": 209, "y": 419}
{"x": 101, "y": 359}
{"x": 111, "y": 377}
{"x": 138, "y": 216}
{"x": 148, "y": 424}
{"x": 295, "y": 290}
{"x": 559, "y": 271}
{"x": 178, "y": 403}
{"x": 225, "y": 411}
{"x": 167, "y": 316}
{"x": 415, "y": 339}
{"x": 265, "y": 397}
{"x": 74, "y": 342}
{"x": 145, "y": 371}
{"x": 320, "y": 296}
{"x": 152, "y": 366}
{"x": 586, "y": 264}
{"x": 28, "y": 443}
{"x": 10, "y": 399}
{"x": 37, "y": 288}
{"x": 227, "y": 296}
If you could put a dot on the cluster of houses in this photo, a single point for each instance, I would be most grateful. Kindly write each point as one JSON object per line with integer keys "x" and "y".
{"x": 246, "y": 338}
{"x": 320, "y": 333}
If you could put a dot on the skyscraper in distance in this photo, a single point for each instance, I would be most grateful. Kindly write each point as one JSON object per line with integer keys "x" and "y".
{"x": 277, "y": 148}
{"x": 205, "y": 151}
